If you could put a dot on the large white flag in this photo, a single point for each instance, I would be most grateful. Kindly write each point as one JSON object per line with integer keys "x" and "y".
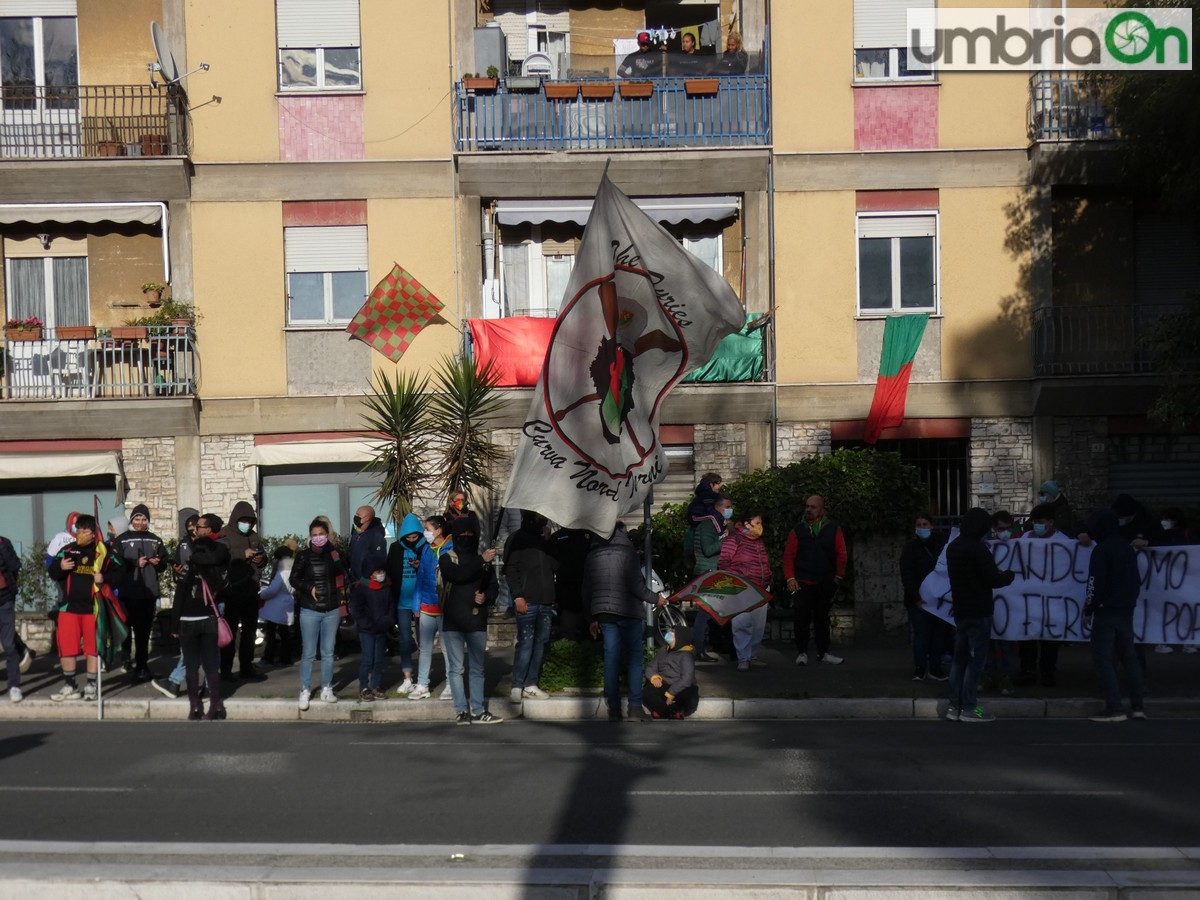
{"x": 639, "y": 313}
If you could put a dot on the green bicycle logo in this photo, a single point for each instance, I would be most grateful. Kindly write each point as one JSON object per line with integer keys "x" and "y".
{"x": 1131, "y": 38}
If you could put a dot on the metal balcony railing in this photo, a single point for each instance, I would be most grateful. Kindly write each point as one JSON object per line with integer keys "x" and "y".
{"x": 1064, "y": 106}
{"x": 726, "y": 111}
{"x": 66, "y": 363}
{"x": 92, "y": 121}
{"x": 1094, "y": 340}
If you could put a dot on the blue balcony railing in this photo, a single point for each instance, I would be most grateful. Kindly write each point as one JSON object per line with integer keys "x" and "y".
{"x": 63, "y": 364}
{"x": 730, "y": 111}
{"x": 1066, "y": 107}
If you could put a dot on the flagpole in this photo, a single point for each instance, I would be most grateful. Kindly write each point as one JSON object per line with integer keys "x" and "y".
{"x": 648, "y": 558}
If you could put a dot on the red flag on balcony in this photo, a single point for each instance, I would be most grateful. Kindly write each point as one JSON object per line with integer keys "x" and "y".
{"x": 516, "y": 347}
{"x": 901, "y": 338}
{"x": 394, "y": 314}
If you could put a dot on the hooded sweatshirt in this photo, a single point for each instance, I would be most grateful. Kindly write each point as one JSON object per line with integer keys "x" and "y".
{"x": 244, "y": 574}
{"x": 1113, "y": 580}
{"x": 676, "y": 665}
{"x": 412, "y": 569}
{"x": 973, "y": 572}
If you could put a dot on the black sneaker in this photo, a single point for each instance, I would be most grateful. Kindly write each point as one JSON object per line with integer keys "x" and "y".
{"x": 462, "y": 719}
{"x": 486, "y": 718}
{"x": 614, "y": 715}
{"x": 167, "y": 688}
{"x": 938, "y": 675}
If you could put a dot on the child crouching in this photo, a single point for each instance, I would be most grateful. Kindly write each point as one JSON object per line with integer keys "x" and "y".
{"x": 671, "y": 691}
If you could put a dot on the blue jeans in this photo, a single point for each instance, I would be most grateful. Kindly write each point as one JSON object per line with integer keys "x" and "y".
{"x": 374, "y": 658}
{"x": 404, "y": 617}
{"x": 970, "y": 653}
{"x": 927, "y": 639}
{"x": 1112, "y": 638}
{"x": 427, "y": 628}
{"x": 178, "y": 673}
{"x": 623, "y": 637}
{"x": 313, "y": 626}
{"x": 533, "y": 633}
{"x": 457, "y": 645}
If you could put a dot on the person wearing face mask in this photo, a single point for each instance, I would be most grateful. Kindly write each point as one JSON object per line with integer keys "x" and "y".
{"x": 671, "y": 691}
{"x": 412, "y": 575}
{"x": 708, "y": 532}
{"x": 246, "y": 560}
{"x": 374, "y": 613}
{"x": 429, "y": 621}
{"x": 466, "y": 590}
{"x": 744, "y": 553}
{"x": 457, "y": 508}
{"x": 368, "y": 537}
{"x": 529, "y": 567}
{"x": 927, "y": 631}
{"x": 1133, "y": 522}
{"x": 1050, "y": 494}
{"x": 1039, "y": 659}
{"x": 319, "y": 581}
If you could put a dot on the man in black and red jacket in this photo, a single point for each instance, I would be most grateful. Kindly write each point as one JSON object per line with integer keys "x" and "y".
{"x": 814, "y": 563}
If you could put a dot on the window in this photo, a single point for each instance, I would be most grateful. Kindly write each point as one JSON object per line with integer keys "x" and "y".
{"x": 881, "y": 40}
{"x": 39, "y": 62}
{"x": 52, "y": 287}
{"x": 326, "y": 273}
{"x": 897, "y": 263}
{"x": 319, "y": 45}
{"x": 292, "y": 496}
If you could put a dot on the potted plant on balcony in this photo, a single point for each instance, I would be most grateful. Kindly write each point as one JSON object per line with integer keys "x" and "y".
{"x": 152, "y": 292}
{"x": 482, "y": 84}
{"x": 561, "y": 90}
{"x": 154, "y": 144}
{"x": 113, "y": 146}
{"x": 75, "y": 332}
{"x": 29, "y": 329}
{"x": 632, "y": 90}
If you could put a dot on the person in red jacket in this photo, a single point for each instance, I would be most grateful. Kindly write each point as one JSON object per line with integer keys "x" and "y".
{"x": 814, "y": 564}
{"x": 744, "y": 553}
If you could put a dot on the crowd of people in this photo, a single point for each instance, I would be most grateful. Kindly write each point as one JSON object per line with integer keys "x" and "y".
{"x": 437, "y": 583}
{"x": 651, "y": 60}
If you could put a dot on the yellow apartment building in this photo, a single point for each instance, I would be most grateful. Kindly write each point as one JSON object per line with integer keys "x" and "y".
{"x": 271, "y": 161}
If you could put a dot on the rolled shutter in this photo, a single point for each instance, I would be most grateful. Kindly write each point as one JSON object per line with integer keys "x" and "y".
{"x": 317, "y": 23}
{"x": 884, "y": 23}
{"x": 326, "y": 249}
{"x": 44, "y": 8}
{"x": 897, "y": 226}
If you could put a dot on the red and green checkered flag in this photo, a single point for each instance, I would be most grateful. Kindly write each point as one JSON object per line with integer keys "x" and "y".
{"x": 394, "y": 314}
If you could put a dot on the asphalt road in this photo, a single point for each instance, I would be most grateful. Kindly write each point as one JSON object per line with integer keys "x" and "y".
{"x": 767, "y": 784}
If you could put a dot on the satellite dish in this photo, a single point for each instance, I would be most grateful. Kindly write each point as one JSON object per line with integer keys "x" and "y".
{"x": 168, "y": 69}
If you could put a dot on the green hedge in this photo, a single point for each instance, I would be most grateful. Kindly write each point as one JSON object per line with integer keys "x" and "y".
{"x": 574, "y": 664}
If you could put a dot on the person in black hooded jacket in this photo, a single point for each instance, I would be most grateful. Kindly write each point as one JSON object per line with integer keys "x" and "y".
{"x": 974, "y": 576}
{"x": 1112, "y": 593}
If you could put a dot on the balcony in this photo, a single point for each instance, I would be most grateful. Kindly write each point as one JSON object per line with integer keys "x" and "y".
{"x": 726, "y": 111}
{"x": 1065, "y": 107}
{"x": 1103, "y": 340}
{"x": 92, "y": 122}
{"x": 87, "y": 363}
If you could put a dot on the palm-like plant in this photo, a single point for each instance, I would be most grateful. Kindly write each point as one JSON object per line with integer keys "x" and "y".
{"x": 461, "y": 411}
{"x": 399, "y": 411}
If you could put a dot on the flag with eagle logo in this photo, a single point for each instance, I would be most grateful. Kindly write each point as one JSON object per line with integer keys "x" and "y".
{"x": 639, "y": 313}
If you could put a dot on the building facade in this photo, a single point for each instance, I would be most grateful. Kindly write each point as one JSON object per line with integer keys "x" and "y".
{"x": 284, "y": 156}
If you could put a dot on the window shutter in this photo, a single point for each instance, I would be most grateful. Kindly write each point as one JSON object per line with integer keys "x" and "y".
{"x": 317, "y": 23}
{"x": 1167, "y": 260}
{"x": 44, "y": 8}
{"x": 554, "y": 16}
{"x": 884, "y": 23}
{"x": 897, "y": 226}
{"x": 511, "y": 16}
{"x": 326, "y": 249}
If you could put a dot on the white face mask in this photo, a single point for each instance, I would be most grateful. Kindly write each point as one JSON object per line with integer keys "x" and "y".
{"x": 1167, "y": 524}
{"x": 428, "y": 536}
{"x": 379, "y": 577}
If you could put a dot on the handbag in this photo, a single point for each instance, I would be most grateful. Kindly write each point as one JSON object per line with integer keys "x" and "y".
{"x": 224, "y": 632}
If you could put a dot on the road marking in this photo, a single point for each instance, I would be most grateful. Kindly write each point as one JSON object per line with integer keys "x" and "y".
{"x": 913, "y": 793}
{"x": 69, "y": 789}
{"x": 1113, "y": 744}
{"x": 499, "y": 744}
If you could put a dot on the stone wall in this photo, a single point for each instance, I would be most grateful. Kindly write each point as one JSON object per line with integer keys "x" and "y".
{"x": 720, "y": 448}
{"x": 149, "y": 465}
{"x": 223, "y": 459}
{"x": 1081, "y": 457}
{"x": 1001, "y": 464}
{"x": 878, "y": 596}
{"x": 797, "y": 440}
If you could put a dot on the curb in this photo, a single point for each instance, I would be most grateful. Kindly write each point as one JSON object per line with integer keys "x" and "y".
{"x": 565, "y": 709}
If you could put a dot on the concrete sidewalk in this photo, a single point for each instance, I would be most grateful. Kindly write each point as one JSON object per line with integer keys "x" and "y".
{"x": 873, "y": 682}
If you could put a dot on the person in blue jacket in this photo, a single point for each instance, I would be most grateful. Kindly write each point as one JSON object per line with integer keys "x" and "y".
{"x": 412, "y": 574}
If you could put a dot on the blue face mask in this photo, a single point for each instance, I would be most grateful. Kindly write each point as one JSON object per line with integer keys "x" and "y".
{"x": 1039, "y": 528}
{"x": 728, "y": 513}
{"x": 924, "y": 533}
{"x": 669, "y": 638}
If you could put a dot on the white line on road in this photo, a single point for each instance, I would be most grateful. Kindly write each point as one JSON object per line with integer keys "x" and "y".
{"x": 68, "y": 789}
{"x": 588, "y": 744}
{"x": 912, "y": 793}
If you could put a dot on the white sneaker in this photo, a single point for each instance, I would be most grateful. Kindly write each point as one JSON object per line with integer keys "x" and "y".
{"x": 66, "y": 692}
{"x": 514, "y": 696}
{"x": 89, "y": 691}
{"x": 446, "y": 693}
{"x": 533, "y": 692}
{"x": 831, "y": 659}
{"x": 420, "y": 692}
{"x": 15, "y": 695}
{"x": 802, "y": 659}
{"x": 1163, "y": 648}
{"x": 407, "y": 687}
{"x": 1189, "y": 648}
{"x": 327, "y": 695}
{"x": 305, "y": 695}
